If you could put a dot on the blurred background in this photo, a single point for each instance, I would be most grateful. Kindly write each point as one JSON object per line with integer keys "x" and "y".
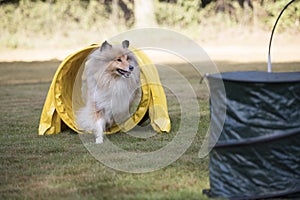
{"x": 237, "y": 30}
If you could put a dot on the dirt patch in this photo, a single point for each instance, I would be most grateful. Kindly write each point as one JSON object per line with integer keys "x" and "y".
{"x": 227, "y": 46}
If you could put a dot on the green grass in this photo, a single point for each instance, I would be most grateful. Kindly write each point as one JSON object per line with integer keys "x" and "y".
{"x": 60, "y": 167}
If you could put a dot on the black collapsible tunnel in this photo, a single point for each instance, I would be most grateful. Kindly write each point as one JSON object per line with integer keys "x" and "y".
{"x": 258, "y": 152}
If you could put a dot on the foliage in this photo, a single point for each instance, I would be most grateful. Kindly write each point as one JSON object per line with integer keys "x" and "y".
{"x": 229, "y": 13}
{"x": 25, "y": 23}
{"x": 289, "y": 19}
{"x": 30, "y": 21}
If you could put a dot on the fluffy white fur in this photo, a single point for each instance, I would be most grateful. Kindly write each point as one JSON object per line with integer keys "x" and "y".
{"x": 113, "y": 81}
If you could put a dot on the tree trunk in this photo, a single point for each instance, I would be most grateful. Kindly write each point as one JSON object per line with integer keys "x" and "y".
{"x": 144, "y": 13}
{"x": 115, "y": 11}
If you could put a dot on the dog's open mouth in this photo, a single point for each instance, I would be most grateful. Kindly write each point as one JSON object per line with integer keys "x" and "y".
{"x": 124, "y": 73}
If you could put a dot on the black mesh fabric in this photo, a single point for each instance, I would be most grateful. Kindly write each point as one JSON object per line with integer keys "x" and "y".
{"x": 258, "y": 152}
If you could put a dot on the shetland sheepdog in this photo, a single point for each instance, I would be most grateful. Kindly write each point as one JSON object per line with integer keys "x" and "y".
{"x": 112, "y": 82}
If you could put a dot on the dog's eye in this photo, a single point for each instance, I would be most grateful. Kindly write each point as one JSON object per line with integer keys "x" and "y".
{"x": 128, "y": 58}
{"x": 119, "y": 60}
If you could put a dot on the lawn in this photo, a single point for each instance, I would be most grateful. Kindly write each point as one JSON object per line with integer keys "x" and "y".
{"x": 60, "y": 167}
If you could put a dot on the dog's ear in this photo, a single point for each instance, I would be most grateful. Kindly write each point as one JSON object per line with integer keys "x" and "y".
{"x": 105, "y": 45}
{"x": 125, "y": 44}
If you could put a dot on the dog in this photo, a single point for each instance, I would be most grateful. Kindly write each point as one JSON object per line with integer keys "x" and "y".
{"x": 112, "y": 83}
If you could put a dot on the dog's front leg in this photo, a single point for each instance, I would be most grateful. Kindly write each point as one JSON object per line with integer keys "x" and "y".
{"x": 100, "y": 127}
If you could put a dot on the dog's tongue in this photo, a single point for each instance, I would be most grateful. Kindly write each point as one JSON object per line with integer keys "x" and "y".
{"x": 124, "y": 73}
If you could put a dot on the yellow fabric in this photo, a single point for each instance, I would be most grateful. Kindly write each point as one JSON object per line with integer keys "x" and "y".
{"x": 58, "y": 106}
{"x": 158, "y": 109}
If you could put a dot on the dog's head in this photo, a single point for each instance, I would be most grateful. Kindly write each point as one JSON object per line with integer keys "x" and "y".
{"x": 120, "y": 60}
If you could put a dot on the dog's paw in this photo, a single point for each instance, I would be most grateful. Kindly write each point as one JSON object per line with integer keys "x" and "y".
{"x": 100, "y": 126}
{"x": 99, "y": 140}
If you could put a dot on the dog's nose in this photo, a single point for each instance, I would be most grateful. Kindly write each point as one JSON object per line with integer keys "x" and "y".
{"x": 131, "y": 67}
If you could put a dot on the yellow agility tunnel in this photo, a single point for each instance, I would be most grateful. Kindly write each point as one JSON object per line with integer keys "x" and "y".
{"x": 58, "y": 108}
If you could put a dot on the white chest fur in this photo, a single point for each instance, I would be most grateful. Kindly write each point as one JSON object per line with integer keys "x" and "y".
{"x": 115, "y": 97}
